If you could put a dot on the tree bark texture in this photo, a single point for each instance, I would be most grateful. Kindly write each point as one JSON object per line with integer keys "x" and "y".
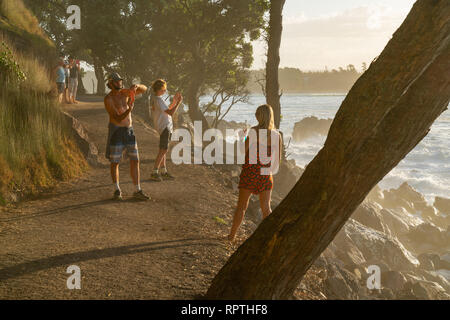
{"x": 273, "y": 58}
{"x": 386, "y": 114}
{"x": 100, "y": 75}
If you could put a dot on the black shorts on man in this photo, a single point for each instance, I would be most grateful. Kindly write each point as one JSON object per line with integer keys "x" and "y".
{"x": 164, "y": 139}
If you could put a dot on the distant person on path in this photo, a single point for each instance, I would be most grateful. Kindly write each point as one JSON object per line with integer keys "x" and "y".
{"x": 73, "y": 79}
{"x": 120, "y": 103}
{"x": 67, "y": 74}
{"x": 60, "y": 80}
{"x": 162, "y": 120}
{"x": 251, "y": 180}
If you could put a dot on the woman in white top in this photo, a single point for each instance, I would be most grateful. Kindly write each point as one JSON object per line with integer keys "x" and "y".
{"x": 162, "y": 120}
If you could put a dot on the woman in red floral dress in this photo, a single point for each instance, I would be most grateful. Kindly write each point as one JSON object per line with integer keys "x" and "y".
{"x": 256, "y": 176}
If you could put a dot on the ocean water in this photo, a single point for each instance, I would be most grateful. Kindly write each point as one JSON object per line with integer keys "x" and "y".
{"x": 426, "y": 168}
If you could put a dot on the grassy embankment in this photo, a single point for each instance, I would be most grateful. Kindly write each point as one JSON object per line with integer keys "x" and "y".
{"x": 36, "y": 146}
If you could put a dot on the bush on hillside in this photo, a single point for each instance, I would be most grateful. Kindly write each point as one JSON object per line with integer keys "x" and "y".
{"x": 36, "y": 146}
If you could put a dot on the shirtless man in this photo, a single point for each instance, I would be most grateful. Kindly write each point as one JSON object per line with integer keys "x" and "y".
{"x": 120, "y": 103}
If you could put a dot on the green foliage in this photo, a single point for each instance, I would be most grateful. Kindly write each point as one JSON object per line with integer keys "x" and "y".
{"x": 196, "y": 45}
{"x": 36, "y": 146}
{"x": 50, "y": 14}
{"x": 220, "y": 220}
{"x": 31, "y": 122}
{"x": 19, "y": 17}
{"x": 9, "y": 68}
{"x": 21, "y": 27}
{"x": 206, "y": 47}
{"x": 35, "y": 141}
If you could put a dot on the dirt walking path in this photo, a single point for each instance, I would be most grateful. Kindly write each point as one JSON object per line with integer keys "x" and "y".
{"x": 167, "y": 248}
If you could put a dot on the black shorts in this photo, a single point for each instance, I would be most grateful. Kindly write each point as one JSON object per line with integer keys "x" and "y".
{"x": 61, "y": 87}
{"x": 164, "y": 139}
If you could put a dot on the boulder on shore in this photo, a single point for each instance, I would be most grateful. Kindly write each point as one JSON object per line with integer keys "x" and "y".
{"x": 427, "y": 233}
{"x": 407, "y": 197}
{"x": 311, "y": 126}
{"x": 376, "y": 247}
{"x": 442, "y": 204}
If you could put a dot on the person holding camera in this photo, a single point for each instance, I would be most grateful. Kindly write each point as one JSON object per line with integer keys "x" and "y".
{"x": 60, "y": 80}
{"x": 75, "y": 70}
{"x": 119, "y": 104}
{"x": 162, "y": 119}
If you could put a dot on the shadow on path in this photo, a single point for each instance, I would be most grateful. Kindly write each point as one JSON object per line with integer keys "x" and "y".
{"x": 72, "y": 258}
{"x": 61, "y": 210}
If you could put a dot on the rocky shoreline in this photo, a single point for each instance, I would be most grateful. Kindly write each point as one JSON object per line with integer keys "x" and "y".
{"x": 395, "y": 230}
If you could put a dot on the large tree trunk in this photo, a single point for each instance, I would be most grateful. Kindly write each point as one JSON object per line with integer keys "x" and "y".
{"x": 193, "y": 92}
{"x": 100, "y": 75}
{"x": 273, "y": 58}
{"x": 385, "y": 115}
{"x": 192, "y": 99}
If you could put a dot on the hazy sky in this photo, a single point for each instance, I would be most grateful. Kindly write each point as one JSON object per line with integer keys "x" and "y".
{"x": 333, "y": 33}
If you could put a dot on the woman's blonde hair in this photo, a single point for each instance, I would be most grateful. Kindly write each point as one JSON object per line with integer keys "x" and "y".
{"x": 264, "y": 115}
{"x": 158, "y": 85}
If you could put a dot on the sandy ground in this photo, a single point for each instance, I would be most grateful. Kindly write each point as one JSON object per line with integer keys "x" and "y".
{"x": 167, "y": 248}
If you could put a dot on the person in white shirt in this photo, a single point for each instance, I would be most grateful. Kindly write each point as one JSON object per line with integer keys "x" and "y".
{"x": 162, "y": 120}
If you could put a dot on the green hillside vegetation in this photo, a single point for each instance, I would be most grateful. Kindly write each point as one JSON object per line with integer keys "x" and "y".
{"x": 22, "y": 28}
{"x": 36, "y": 146}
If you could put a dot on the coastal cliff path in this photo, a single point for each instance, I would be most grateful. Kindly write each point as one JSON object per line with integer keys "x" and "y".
{"x": 169, "y": 247}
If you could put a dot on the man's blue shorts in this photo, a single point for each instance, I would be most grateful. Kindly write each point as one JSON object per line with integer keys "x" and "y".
{"x": 61, "y": 87}
{"x": 123, "y": 138}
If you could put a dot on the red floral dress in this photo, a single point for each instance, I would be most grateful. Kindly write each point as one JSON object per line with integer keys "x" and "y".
{"x": 251, "y": 177}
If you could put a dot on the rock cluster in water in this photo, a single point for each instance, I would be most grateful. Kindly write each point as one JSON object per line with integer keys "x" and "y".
{"x": 310, "y": 126}
{"x": 395, "y": 230}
